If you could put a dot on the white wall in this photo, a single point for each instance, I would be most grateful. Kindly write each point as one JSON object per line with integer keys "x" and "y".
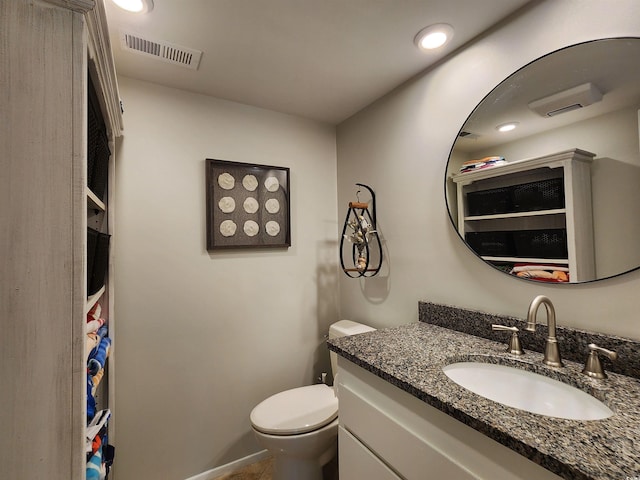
{"x": 399, "y": 146}
{"x": 202, "y": 338}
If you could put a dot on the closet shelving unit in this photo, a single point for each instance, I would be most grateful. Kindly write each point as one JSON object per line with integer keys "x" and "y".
{"x": 568, "y": 221}
{"x": 99, "y": 284}
{"x": 52, "y": 47}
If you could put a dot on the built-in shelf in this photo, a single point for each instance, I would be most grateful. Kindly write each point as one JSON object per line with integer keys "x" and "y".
{"x": 93, "y": 202}
{"x": 542, "y": 261}
{"x": 536, "y": 213}
{"x": 56, "y": 48}
{"x": 544, "y": 206}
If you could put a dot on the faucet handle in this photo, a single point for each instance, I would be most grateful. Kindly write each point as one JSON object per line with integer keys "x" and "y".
{"x": 593, "y": 366}
{"x": 514, "y": 342}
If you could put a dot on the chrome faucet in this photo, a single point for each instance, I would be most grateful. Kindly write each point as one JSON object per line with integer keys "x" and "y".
{"x": 551, "y": 351}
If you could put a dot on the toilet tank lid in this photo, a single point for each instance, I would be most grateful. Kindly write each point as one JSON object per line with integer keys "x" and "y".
{"x": 344, "y": 328}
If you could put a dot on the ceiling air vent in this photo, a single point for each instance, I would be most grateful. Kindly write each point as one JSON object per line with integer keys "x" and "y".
{"x": 165, "y": 51}
{"x": 469, "y": 135}
{"x": 567, "y": 100}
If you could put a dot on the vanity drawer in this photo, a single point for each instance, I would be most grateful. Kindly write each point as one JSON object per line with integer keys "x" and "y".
{"x": 411, "y": 456}
{"x": 357, "y": 462}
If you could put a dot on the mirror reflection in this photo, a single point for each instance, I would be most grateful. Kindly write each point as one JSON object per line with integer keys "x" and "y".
{"x": 557, "y": 198}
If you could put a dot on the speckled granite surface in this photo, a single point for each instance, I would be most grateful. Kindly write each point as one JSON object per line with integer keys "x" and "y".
{"x": 573, "y": 343}
{"x": 411, "y": 357}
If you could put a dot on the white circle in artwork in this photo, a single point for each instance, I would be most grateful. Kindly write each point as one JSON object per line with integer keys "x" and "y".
{"x": 251, "y": 228}
{"x": 227, "y": 204}
{"x": 250, "y": 182}
{"x": 272, "y": 228}
{"x": 228, "y": 228}
{"x": 271, "y": 184}
{"x": 250, "y": 205}
{"x": 272, "y": 205}
{"x": 226, "y": 181}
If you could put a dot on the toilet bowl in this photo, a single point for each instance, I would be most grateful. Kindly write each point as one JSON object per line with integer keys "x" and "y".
{"x": 299, "y": 427}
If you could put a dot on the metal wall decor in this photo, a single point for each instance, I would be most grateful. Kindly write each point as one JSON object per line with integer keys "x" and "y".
{"x": 247, "y": 205}
{"x": 359, "y": 231}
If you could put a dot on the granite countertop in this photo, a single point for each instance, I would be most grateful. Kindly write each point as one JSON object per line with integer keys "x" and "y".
{"x": 411, "y": 357}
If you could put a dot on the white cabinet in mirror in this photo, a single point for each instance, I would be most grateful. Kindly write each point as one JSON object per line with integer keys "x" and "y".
{"x": 601, "y": 216}
{"x": 531, "y": 218}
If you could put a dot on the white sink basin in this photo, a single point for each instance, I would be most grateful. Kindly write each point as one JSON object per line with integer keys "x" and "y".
{"x": 527, "y": 391}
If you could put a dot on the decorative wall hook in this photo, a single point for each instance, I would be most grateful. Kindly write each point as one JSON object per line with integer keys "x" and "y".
{"x": 360, "y": 230}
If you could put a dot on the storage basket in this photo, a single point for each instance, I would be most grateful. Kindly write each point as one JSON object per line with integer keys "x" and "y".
{"x": 100, "y": 171}
{"x": 92, "y": 241}
{"x": 93, "y": 132}
{"x": 540, "y": 195}
{"x": 97, "y": 259}
{"x": 525, "y": 197}
{"x": 497, "y": 244}
{"x": 98, "y": 152}
{"x": 550, "y": 243}
{"x": 489, "y": 202}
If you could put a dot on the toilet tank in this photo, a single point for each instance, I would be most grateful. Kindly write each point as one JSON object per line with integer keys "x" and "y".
{"x": 344, "y": 328}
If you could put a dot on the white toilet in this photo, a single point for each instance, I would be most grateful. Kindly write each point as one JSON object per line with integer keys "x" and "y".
{"x": 299, "y": 427}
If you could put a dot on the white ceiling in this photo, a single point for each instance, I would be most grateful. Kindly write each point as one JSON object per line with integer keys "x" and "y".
{"x": 320, "y": 59}
{"x": 606, "y": 64}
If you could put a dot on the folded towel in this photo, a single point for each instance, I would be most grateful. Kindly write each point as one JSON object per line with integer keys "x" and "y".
{"x": 108, "y": 454}
{"x": 95, "y": 380}
{"x": 95, "y": 468}
{"x": 97, "y": 361}
{"x": 98, "y": 422}
{"x": 485, "y": 162}
{"x": 555, "y": 276}
{"x": 91, "y": 402}
{"x": 96, "y": 443}
{"x": 102, "y": 332}
{"x": 96, "y": 425}
{"x": 541, "y": 272}
{"x": 534, "y": 266}
{"x": 92, "y": 343}
{"x": 94, "y": 313}
{"x": 493, "y": 158}
{"x": 94, "y": 325}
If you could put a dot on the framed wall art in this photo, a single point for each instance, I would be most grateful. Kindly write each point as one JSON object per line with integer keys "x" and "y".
{"x": 247, "y": 205}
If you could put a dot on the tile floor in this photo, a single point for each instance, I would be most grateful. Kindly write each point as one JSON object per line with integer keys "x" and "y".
{"x": 262, "y": 470}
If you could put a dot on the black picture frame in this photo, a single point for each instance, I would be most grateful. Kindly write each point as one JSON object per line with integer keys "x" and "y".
{"x": 247, "y": 205}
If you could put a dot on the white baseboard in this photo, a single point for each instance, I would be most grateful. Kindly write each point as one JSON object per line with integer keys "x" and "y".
{"x": 231, "y": 467}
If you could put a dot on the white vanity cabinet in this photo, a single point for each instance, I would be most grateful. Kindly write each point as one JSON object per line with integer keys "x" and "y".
{"x": 536, "y": 210}
{"x": 49, "y": 50}
{"x": 386, "y": 433}
{"x": 357, "y": 461}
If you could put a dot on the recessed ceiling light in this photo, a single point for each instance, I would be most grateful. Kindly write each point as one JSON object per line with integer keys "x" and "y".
{"x": 433, "y": 36}
{"x": 135, "y": 6}
{"x": 507, "y": 127}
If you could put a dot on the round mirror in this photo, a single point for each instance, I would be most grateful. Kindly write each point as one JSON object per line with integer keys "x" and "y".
{"x": 555, "y": 198}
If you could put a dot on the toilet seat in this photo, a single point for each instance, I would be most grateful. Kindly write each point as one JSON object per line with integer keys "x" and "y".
{"x": 296, "y": 411}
